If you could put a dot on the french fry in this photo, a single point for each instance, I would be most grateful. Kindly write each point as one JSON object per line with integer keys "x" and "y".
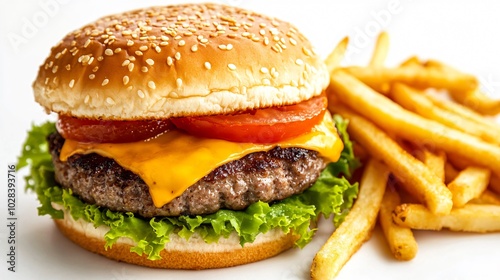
{"x": 390, "y": 116}
{"x": 419, "y": 103}
{"x": 434, "y": 161}
{"x": 381, "y": 78}
{"x": 463, "y": 111}
{"x": 474, "y": 99}
{"x": 478, "y": 101}
{"x": 411, "y": 61}
{"x": 400, "y": 239}
{"x": 469, "y": 184}
{"x": 357, "y": 226}
{"x": 450, "y": 173}
{"x": 335, "y": 57}
{"x": 381, "y": 50}
{"x": 495, "y": 183}
{"x": 417, "y": 179}
{"x": 487, "y": 197}
{"x": 470, "y": 218}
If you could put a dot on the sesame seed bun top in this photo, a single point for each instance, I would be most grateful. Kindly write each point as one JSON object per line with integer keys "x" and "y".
{"x": 179, "y": 60}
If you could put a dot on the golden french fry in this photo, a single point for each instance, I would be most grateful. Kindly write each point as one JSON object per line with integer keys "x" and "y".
{"x": 417, "y": 179}
{"x": 487, "y": 197}
{"x": 400, "y": 239}
{"x": 357, "y": 226}
{"x": 495, "y": 183}
{"x": 381, "y": 78}
{"x": 392, "y": 117}
{"x": 477, "y": 101}
{"x": 450, "y": 173}
{"x": 470, "y": 218}
{"x": 434, "y": 161}
{"x": 412, "y": 61}
{"x": 463, "y": 111}
{"x": 419, "y": 103}
{"x": 381, "y": 50}
{"x": 469, "y": 184}
{"x": 335, "y": 57}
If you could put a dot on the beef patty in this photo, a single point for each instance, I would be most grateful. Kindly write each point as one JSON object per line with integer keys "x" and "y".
{"x": 265, "y": 176}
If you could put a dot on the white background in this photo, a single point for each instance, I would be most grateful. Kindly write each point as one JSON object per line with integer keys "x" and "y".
{"x": 463, "y": 33}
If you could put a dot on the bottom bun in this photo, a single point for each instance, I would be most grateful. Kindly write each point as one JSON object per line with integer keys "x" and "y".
{"x": 178, "y": 253}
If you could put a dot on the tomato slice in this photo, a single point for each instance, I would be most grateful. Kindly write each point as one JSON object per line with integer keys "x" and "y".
{"x": 269, "y": 125}
{"x": 99, "y": 131}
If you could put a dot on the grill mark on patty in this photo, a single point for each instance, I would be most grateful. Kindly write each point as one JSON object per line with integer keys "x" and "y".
{"x": 266, "y": 176}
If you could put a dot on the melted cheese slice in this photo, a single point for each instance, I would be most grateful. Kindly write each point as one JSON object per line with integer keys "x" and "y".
{"x": 173, "y": 161}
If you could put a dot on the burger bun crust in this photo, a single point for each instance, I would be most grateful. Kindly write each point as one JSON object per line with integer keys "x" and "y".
{"x": 179, "y": 60}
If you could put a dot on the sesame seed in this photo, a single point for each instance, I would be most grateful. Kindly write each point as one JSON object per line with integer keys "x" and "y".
{"x": 170, "y": 61}
{"x": 306, "y": 51}
{"x": 299, "y": 61}
{"x": 46, "y": 80}
{"x": 117, "y": 50}
{"x": 150, "y": 61}
{"x": 126, "y": 79}
{"x": 158, "y": 49}
{"x": 139, "y": 53}
{"x": 130, "y": 43}
{"x": 178, "y": 82}
{"x": 266, "y": 41}
{"x": 71, "y": 83}
{"x": 132, "y": 58}
{"x": 262, "y": 25}
{"x": 222, "y": 47}
{"x": 58, "y": 55}
{"x": 126, "y": 62}
{"x": 194, "y": 48}
{"x": 262, "y": 32}
{"x": 105, "y": 82}
{"x": 144, "y": 69}
{"x": 130, "y": 67}
{"x": 110, "y": 101}
{"x": 100, "y": 58}
{"x": 143, "y": 48}
{"x": 141, "y": 94}
{"x": 86, "y": 100}
{"x": 91, "y": 76}
{"x": 177, "y": 55}
{"x": 91, "y": 60}
{"x": 108, "y": 52}
{"x": 54, "y": 69}
{"x": 293, "y": 42}
{"x": 229, "y": 47}
{"x": 208, "y": 65}
{"x": 182, "y": 43}
{"x": 264, "y": 70}
{"x": 204, "y": 40}
{"x": 151, "y": 85}
{"x": 68, "y": 67}
{"x": 87, "y": 43}
{"x": 231, "y": 66}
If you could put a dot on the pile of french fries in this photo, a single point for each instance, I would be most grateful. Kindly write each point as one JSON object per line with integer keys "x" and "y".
{"x": 430, "y": 150}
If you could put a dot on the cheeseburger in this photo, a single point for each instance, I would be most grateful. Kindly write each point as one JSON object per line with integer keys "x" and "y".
{"x": 188, "y": 137}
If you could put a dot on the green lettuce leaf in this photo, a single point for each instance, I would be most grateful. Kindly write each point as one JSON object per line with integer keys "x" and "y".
{"x": 331, "y": 195}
